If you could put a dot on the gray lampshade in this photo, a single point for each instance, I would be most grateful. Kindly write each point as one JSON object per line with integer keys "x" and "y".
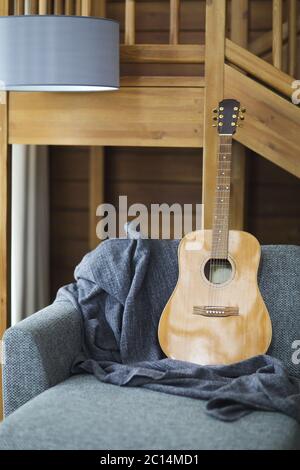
{"x": 58, "y": 53}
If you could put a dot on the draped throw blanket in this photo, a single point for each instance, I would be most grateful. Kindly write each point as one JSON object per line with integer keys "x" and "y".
{"x": 121, "y": 289}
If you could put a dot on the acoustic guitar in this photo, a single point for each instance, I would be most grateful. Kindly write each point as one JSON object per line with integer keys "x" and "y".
{"x": 216, "y": 314}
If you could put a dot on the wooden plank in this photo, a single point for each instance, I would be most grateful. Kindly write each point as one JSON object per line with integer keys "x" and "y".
{"x": 97, "y": 156}
{"x": 72, "y": 226}
{"x": 259, "y": 68}
{"x": 19, "y": 7}
{"x": 275, "y": 230}
{"x": 272, "y": 126}
{"x": 70, "y": 195}
{"x": 154, "y": 192}
{"x": 292, "y": 37}
{"x": 163, "y": 53}
{"x": 239, "y": 35}
{"x": 127, "y": 164}
{"x": 156, "y": 117}
{"x": 277, "y": 33}
{"x": 174, "y": 21}
{"x": 214, "y": 92}
{"x": 68, "y": 255}
{"x": 172, "y": 81}
{"x": 58, "y": 7}
{"x": 129, "y": 22}
{"x": 69, "y": 163}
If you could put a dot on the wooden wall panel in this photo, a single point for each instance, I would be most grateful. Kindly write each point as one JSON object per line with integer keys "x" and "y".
{"x": 147, "y": 174}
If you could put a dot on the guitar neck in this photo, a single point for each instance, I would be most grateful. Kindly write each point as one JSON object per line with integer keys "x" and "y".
{"x": 222, "y": 199}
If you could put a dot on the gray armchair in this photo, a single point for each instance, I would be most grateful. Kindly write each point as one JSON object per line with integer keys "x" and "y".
{"x": 47, "y": 408}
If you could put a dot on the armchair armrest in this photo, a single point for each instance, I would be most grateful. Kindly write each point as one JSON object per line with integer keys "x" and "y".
{"x": 39, "y": 352}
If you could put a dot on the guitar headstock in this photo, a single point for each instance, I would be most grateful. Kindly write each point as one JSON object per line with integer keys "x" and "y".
{"x": 227, "y": 116}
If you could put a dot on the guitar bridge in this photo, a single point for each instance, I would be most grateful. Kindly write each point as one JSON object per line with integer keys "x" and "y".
{"x": 215, "y": 311}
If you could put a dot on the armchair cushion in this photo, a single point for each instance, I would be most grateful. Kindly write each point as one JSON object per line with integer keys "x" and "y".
{"x": 83, "y": 413}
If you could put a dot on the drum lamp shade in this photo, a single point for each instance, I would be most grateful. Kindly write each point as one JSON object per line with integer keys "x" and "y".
{"x": 58, "y": 53}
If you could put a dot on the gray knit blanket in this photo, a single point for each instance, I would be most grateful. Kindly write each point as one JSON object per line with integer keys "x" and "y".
{"x": 121, "y": 289}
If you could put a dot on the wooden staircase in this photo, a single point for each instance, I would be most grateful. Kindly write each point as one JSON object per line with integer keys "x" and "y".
{"x": 272, "y": 127}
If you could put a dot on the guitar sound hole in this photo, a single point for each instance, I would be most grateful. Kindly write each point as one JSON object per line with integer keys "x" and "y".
{"x": 218, "y": 271}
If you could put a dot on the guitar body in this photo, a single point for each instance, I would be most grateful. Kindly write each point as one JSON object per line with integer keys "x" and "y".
{"x": 216, "y": 323}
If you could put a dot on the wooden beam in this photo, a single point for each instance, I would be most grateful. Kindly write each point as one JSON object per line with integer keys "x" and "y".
{"x": 272, "y": 126}
{"x": 277, "y": 34}
{"x": 97, "y": 180}
{"x": 4, "y": 214}
{"x": 239, "y": 35}
{"x": 171, "y": 81}
{"x": 132, "y": 116}
{"x": 174, "y": 21}
{"x": 292, "y": 37}
{"x": 129, "y": 22}
{"x": 214, "y": 92}
{"x": 259, "y": 68}
{"x": 96, "y": 158}
{"x": 97, "y": 161}
{"x": 163, "y": 53}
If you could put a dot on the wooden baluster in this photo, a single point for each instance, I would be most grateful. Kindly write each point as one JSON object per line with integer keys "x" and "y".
{"x": 69, "y": 7}
{"x": 214, "y": 92}
{"x": 86, "y": 8}
{"x": 130, "y": 22}
{"x": 239, "y": 34}
{"x": 99, "y": 8}
{"x": 19, "y": 7}
{"x": 174, "y": 21}
{"x": 43, "y": 7}
{"x": 58, "y": 7}
{"x": 97, "y": 161}
{"x": 292, "y": 25}
{"x": 78, "y": 8}
{"x": 33, "y": 7}
{"x": 277, "y": 33}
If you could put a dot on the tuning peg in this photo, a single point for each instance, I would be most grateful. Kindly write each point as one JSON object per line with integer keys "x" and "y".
{"x": 215, "y": 110}
{"x": 214, "y": 125}
{"x": 239, "y": 125}
{"x": 242, "y": 118}
{"x": 243, "y": 110}
{"x": 215, "y": 118}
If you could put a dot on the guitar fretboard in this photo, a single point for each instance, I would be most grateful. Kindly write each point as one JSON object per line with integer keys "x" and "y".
{"x": 222, "y": 199}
